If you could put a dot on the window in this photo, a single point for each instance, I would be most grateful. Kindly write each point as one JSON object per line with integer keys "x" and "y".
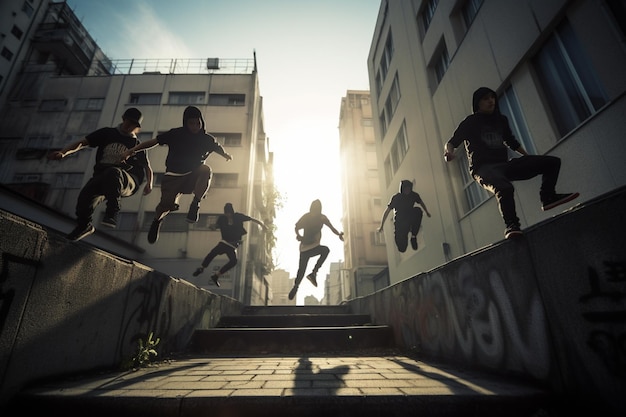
{"x": 126, "y": 221}
{"x": 68, "y": 180}
{"x": 228, "y": 139}
{"x": 392, "y": 99}
{"x": 205, "y": 221}
{"x": 26, "y": 178}
{"x": 28, "y": 9}
{"x": 38, "y": 142}
{"x": 187, "y": 98}
{"x": 470, "y": 10}
{"x": 398, "y": 151}
{"x": 474, "y": 192}
{"x": 17, "y": 32}
{"x": 568, "y": 80}
{"x": 227, "y": 99}
{"x": 388, "y": 170}
{"x": 441, "y": 63}
{"x": 176, "y": 222}
{"x": 88, "y": 104}
{"x": 52, "y": 105}
{"x": 383, "y": 124}
{"x": 145, "y": 98}
{"x": 378, "y": 239}
{"x": 224, "y": 180}
{"x": 427, "y": 14}
{"x": 509, "y": 106}
{"x": 385, "y": 60}
{"x": 7, "y": 54}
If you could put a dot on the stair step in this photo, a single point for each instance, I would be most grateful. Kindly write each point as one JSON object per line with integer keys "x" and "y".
{"x": 284, "y": 309}
{"x": 295, "y": 320}
{"x": 291, "y": 340}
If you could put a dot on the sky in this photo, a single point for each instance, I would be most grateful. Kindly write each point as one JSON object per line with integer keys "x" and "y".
{"x": 309, "y": 54}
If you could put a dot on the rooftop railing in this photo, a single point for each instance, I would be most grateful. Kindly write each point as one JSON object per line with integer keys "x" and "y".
{"x": 179, "y": 66}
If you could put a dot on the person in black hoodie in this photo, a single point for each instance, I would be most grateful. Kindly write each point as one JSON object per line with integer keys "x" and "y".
{"x": 186, "y": 171}
{"x": 112, "y": 178}
{"x": 231, "y": 226}
{"x": 487, "y": 135}
{"x": 407, "y": 217}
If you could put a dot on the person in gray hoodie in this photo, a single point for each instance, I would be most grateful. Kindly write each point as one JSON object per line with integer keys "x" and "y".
{"x": 487, "y": 135}
{"x": 186, "y": 171}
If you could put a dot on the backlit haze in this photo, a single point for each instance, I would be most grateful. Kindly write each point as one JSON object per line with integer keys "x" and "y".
{"x": 309, "y": 53}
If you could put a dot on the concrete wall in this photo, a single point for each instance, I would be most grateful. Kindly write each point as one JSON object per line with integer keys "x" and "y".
{"x": 551, "y": 306}
{"x": 68, "y": 307}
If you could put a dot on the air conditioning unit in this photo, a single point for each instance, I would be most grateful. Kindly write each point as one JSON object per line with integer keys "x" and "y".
{"x": 212, "y": 63}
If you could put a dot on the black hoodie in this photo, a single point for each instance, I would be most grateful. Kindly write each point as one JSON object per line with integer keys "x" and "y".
{"x": 486, "y": 136}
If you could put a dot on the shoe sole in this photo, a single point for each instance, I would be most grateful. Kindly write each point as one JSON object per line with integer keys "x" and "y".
{"x": 561, "y": 201}
{"x": 110, "y": 225}
{"x": 84, "y": 235}
{"x": 313, "y": 281}
{"x": 514, "y": 235}
{"x": 156, "y": 237}
{"x": 215, "y": 281}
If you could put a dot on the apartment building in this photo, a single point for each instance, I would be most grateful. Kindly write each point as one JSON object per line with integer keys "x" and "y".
{"x": 64, "y": 90}
{"x": 365, "y": 253}
{"x": 558, "y": 68}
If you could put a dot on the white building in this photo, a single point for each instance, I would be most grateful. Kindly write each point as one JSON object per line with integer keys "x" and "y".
{"x": 558, "y": 68}
{"x": 60, "y": 95}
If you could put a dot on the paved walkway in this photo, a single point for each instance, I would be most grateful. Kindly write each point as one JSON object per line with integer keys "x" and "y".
{"x": 187, "y": 385}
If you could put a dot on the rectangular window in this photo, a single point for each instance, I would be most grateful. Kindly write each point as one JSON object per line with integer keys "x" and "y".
{"x": 378, "y": 239}
{"x": 388, "y": 170}
{"x": 509, "y": 106}
{"x": 228, "y": 139}
{"x": 385, "y": 60}
{"x": 88, "y": 104}
{"x": 26, "y": 178}
{"x": 441, "y": 63}
{"x": 393, "y": 98}
{"x": 427, "y": 14}
{"x": 568, "y": 79}
{"x": 17, "y": 32}
{"x": 38, "y": 142}
{"x": 28, "y": 9}
{"x": 7, "y": 54}
{"x": 176, "y": 222}
{"x": 470, "y": 10}
{"x": 205, "y": 221}
{"x": 145, "y": 98}
{"x": 68, "y": 180}
{"x": 186, "y": 98}
{"x": 227, "y": 99}
{"x": 224, "y": 180}
{"x": 383, "y": 124}
{"x": 52, "y": 105}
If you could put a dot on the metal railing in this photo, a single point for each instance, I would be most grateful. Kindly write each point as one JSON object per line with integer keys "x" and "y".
{"x": 179, "y": 66}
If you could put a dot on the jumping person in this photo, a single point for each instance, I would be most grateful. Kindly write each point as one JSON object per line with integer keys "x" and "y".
{"x": 186, "y": 172}
{"x": 311, "y": 223}
{"x": 487, "y": 135}
{"x": 407, "y": 217}
{"x": 231, "y": 226}
{"x": 113, "y": 176}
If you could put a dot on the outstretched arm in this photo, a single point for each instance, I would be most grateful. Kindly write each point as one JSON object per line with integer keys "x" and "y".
{"x": 382, "y": 221}
{"x": 448, "y": 152}
{"x": 259, "y": 222}
{"x": 425, "y": 209}
{"x": 68, "y": 150}
{"x": 143, "y": 145}
{"x": 335, "y": 231}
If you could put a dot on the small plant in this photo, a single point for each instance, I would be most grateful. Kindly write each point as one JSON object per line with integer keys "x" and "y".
{"x": 145, "y": 351}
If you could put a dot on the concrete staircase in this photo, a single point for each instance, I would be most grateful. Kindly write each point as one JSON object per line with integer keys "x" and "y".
{"x": 292, "y": 330}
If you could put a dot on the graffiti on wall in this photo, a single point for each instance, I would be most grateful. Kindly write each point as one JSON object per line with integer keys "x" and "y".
{"x": 605, "y": 307}
{"x": 473, "y": 316}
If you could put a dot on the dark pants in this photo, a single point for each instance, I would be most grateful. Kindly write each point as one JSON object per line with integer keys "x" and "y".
{"x": 322, "y": 251}
{"x": 408, "y": 222}
{"x": 496, "y": 178}
{"x": 110, "y": 184}
{"x": 222, "y": 249}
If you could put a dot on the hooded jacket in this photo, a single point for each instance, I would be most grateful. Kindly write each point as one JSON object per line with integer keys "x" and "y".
{"x": 187, "y": 150}
{"x": 403, "y": 202}
{"x": 486, "y": 136}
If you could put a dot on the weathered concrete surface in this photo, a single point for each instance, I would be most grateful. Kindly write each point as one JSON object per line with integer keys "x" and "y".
{"x": 550, "y": 306}
{"x": 68, "y": 307}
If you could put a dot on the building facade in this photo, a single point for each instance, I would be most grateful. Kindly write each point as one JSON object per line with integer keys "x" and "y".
{"x": 364, "y": 248}
{"x": 558, "y": 68}
{"x": 61, "y": 93}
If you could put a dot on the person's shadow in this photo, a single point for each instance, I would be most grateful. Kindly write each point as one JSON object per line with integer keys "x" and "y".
{"x": 330, "y": 379}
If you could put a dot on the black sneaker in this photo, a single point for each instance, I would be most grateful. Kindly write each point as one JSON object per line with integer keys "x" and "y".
{"x": 153, "y": 234}
{"x": 313, "y": 278}
{"x": 513, "y": 231}
{"x": 80, "y": 232}
{"x": 198, "y": 271}
{"x": 192, "y": 215}
{"x": 557, "y": 200}
{"x": 109, "y": 221}
{"x": 414, "y": 242}
{"x": 293, "y": 292}
{"x": 215, "y": 279}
